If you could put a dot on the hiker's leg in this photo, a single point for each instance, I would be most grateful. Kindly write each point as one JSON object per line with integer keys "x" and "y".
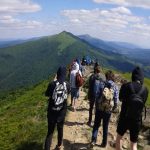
{"x": 106, "y": 118}
{"x": 48, "y": 141}
{"x": 74, "y": 104}
{"x": 72, "y": 95}
{"x": 118, "y": 142}
{"x": 134, "y": 132}
{"x": 60, "y": 126}
{"x": 90, "y": 110}
{"x": 96, "y": 126}
{"x": 76, "y": 97}
{"x": 121, "y": 129}
{"x": 133, "y": 146}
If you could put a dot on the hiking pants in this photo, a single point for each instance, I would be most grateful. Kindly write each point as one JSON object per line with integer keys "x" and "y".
{"x": 92, "y": 102}
{"x": 51, "y": 127}
{"x": 101, "y": 115}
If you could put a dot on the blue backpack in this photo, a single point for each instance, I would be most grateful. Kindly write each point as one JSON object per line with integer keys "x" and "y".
{"x": 98, "y": 87}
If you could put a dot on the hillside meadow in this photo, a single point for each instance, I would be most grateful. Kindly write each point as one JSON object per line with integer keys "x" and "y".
{"x": 23, "y": 119}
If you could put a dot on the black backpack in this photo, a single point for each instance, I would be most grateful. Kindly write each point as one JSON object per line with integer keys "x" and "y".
{"x": 135, "y": 104}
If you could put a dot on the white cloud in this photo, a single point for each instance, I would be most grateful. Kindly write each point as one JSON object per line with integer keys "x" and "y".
{"x": 114, "y": 24}
{"x": 18, "y": 6}
{"x": 122, "y": 10}
{"x": 12, "y": 23}
{"x": 10, "y": 9}
{"x": 128, "y": 3}
{"x": 112, "y": 18}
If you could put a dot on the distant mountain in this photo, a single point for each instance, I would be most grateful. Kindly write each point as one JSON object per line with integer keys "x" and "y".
{"x": 98, "y": 43}
{"x": 7, "y": 43}
{"x": 30, "y": 62}
{"x": 129, "y": 50}
{"x": 123, "y": 45}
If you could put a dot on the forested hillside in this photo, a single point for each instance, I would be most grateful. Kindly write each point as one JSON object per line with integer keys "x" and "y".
{"x": 31, "y": 62}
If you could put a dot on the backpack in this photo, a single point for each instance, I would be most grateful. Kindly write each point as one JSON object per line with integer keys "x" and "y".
{"x": 79, "y": 80}
{"x": 106, "y": 102}
{"x": 135, "y": 104}
{"x": 59, "y": 96}
{"x": 98, "y": 85}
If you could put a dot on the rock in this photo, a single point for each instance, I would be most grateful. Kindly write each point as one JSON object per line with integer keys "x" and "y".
{"x": 147, "y": 147}
{"x": 125, "y": 145}
{"x": 141, "y": 137}
{"x": 112, "y": 144}
{"x": 83, "y": 148}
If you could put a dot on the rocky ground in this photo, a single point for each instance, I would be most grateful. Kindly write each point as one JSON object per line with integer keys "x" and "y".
{"x": 77, "y": 134}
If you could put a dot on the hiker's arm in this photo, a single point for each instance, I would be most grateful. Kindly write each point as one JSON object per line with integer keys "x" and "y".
{"x": 90, "y": 86}
{"x": 146, "y": 94}
{"x": 68, "y": 88}
{"x": 116, "y": 96}
{"x": 49, "y": 90}
{"x": 122, "y": 92}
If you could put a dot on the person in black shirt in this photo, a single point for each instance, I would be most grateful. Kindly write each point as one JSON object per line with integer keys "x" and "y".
{"x": 126, "y": 120}
{"x": 57, "y": 92}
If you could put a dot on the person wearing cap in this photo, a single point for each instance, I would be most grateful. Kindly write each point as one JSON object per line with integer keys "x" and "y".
{"x": 125, "y": 121}
{"x": 56, "y": 115}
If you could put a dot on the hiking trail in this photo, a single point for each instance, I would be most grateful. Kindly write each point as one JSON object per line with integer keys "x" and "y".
{"x": 77, "y": 134}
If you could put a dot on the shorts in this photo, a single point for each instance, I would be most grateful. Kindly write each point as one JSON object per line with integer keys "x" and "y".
{"x": 74, "y": 93}
{"x": 133, "y": 126}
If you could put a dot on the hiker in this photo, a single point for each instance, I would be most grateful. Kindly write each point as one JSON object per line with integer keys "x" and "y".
{"x": 96, "y": 64}
{"x": 104, "y": 106}
{"x": 133, "y": 96}
{"x": 74, "y": 87}
{"x": 57, "y": 92}
{"x": 95, "y": 83}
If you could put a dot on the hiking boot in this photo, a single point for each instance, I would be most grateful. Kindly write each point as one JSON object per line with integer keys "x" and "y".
{"x": 103, "y": 145}
{"x": 89, "y": 124}
{"x": 58, "y": 147}
{"x": 92, "y": 144}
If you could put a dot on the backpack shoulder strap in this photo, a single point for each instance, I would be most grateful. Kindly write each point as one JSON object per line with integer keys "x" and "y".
{"x": 132, "y": 88}
{"x": 141, "y": 90}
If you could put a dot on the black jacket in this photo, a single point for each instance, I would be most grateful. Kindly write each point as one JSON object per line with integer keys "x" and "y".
{"x": 125, "y": 93}
{"x": 53, "y": 115}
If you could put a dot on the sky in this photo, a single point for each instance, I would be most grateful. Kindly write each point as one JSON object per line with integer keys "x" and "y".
{"x": 111, "y": 20}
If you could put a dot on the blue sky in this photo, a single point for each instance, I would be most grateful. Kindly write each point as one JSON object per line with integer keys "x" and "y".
{"x": 112, "y": 20}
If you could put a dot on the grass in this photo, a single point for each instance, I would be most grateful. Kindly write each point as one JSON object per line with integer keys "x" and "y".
{"x": 23, "y": 120}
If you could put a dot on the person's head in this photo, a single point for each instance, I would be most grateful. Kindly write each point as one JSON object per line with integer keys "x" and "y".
{"x": 96, "y": 70}
{"x": 96, "y": 64}
{"x": 61, "y": 74}
{"x": 78, "y": 61}
{"x": 138, "y": 75}
{"x": 75, "y": 66}
{"x": 110, "y": 75}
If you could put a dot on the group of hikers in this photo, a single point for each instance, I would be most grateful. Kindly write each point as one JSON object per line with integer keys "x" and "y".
{"x": 103, "y": 95}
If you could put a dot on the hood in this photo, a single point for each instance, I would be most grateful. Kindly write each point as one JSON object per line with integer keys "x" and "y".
{"x": 97, "y": 77}
{"x": 138, "y": 75}
{"x": 61, "y": 74}
{"x": 75, "y": 66}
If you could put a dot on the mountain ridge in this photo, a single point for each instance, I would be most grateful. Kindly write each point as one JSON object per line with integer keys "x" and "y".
{"x": 28, "y": 63}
